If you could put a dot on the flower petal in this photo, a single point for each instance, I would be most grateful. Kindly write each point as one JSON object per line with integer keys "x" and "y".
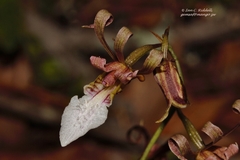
{"x": 115, "y": 70}
{"x": 169, "y": 81}
{"x": 98, "y": 62}
{"x": 152, "y": 61}
{"x": 165, "y": 115}
{"x": 79, "y": 117}
{"x": 219, "y": 153}
{"x": 231, "y": 150}
{"x": 179, "y": 146}
{"x": 102, "y": 19}
{"x": 122, "y": 37}
{"x": 86, "y": 113}
{"x": 94, "y": 87}
{"x": 164, "y": 41}
{"x": 213, "y": 131}
{"x": 207, "y": 155}
{"x": 118, "y": 71}
{"x": 138, "y": 53}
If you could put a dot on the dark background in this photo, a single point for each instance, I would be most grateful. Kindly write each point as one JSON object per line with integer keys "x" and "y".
{"x": 44, "y": 61}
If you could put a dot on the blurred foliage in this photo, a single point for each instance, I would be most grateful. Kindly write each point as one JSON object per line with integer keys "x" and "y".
{"x": 14, "y": 37}
{"x": 11, "y": 25}
{"x": 50, "y": 72}
{"x": 15, "y": 41}
{"x": 46, "y": 6}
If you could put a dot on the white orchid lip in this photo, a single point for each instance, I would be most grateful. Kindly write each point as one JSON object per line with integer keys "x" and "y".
{"x": 85, "y": 113}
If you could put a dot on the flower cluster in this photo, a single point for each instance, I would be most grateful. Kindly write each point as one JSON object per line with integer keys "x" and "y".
{"x": 91, "y": 110}
{"x": 180, "y": 146}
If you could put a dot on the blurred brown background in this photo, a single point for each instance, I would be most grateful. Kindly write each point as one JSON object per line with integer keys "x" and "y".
{"x": 44, "y": 61}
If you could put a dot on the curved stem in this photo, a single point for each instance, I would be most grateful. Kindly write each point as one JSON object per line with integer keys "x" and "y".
{"x": 157, "y": 134}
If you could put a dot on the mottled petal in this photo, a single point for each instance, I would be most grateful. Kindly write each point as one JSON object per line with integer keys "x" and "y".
{"x": 94, "y": 87}
{"x": 122, "y": 37}
{"x": 115, "y": 66}
{"x": 115, "y": 71}
{"x": 110, "y": 79}
{"x": 168, "y": 79}
{"x": 118, "y": 71}
{"x": 126, "y": 75}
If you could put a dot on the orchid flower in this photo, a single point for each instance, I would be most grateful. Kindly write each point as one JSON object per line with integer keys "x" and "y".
{"x": 169, "y": 78}
{"x": 90, "y": 111}
{"x": 180, "y": 146}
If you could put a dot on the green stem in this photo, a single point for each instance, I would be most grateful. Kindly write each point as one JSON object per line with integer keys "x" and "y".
{"x": 171, "y": 112}
{"x": 157, "y": 134}
{"x": 191, "y": 130}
